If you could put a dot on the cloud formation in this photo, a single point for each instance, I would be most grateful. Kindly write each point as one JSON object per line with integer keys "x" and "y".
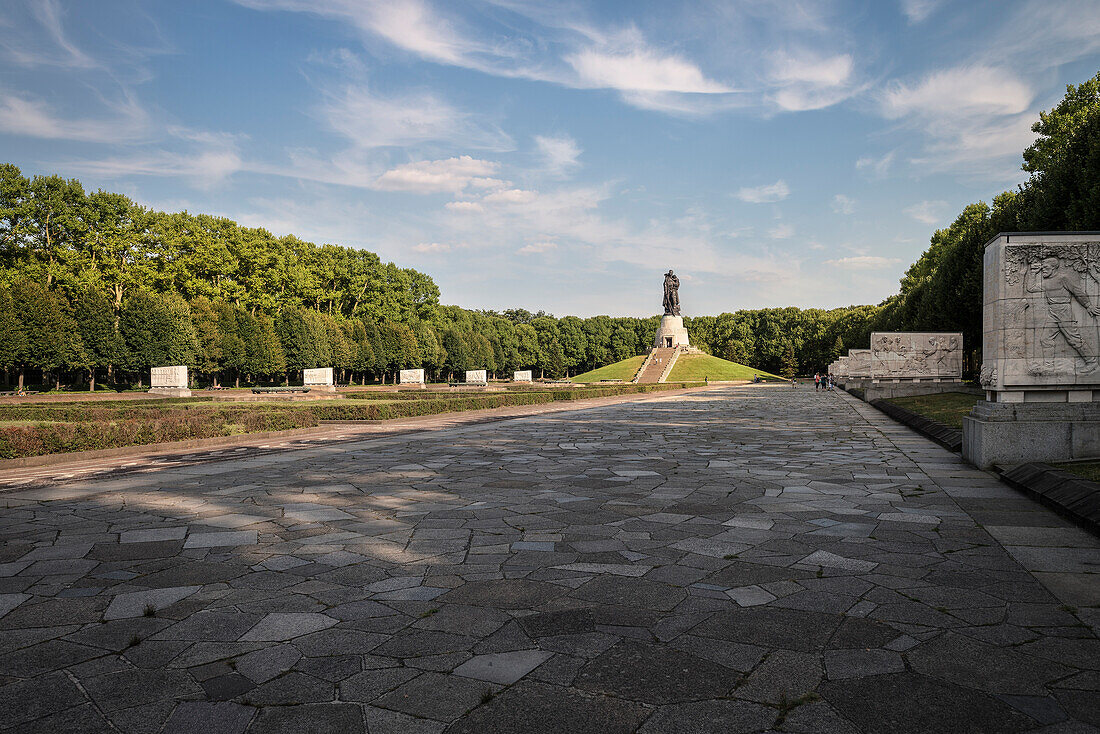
{"x": 765, "y": 194}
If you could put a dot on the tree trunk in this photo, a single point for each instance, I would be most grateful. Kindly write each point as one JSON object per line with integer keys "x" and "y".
{"x": 238, "y": 379}
{"x": 91, "y": 380}
{"x": 21, "y": 372}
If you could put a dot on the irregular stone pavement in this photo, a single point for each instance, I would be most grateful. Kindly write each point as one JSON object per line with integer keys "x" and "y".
{"x": 746, "y": 559}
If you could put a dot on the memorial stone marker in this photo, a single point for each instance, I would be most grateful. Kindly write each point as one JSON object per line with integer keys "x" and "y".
{"x": 479, "y": 377}
{"x": 317, "y": 376}
{"x": 412, "y": 377}
{"x": 170, "y": 381}
{"x": 521, "y": 376}
{"x": 671, "y": 332}
{"x": 1040, "y": 351}
{"x": 916, "y": 355}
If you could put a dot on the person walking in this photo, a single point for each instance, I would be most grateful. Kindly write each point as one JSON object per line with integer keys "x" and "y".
{"x": 817, "y": 381}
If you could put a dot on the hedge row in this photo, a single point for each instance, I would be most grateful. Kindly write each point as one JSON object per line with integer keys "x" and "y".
{"x": 86, "y": 427}
{"x": 19, "y": 441}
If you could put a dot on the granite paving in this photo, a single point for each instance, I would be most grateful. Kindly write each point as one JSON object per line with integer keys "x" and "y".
{"x": 742, "y": 559}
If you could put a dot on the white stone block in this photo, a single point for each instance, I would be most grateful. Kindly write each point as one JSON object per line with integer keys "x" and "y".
{"x": 901, "y": 355}
{"x": 318, "y": 376}
{"x": 522, "y": 376}
{"x": 478, "y": 376}
{"x": 671, "y": 332}
{"x": 169, "y": 377}
{"x": 412, "y": 377}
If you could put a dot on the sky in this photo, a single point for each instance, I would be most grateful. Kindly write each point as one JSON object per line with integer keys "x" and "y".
{"x": 556, "y": 156}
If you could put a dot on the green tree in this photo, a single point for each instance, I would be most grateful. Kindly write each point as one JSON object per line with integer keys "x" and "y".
{"x": 790, "y": 363}
{"x": 95, "y": 322}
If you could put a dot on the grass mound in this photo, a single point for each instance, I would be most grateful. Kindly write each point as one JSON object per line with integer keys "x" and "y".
{"x": 696, "y": 367}
{"x": 624, "y": 370}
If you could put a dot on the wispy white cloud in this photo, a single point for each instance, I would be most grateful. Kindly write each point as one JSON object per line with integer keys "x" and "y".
{"x": 876, "y": 167}
{"x": 537, "y": 247}
{"x": 961, "y": 91}
{"x": 50, "y": 45}
{"x": 863, "y": 262}
{"x": 807, "y": 81}
{"x": 510, "y": 196}
{"x": 371, "y": 120}
{"x": 31, "y": 117}
{"x": 451, "y": 175}
{"x": 466, "y": 207}
{"x": 843, "y": 204}
{"x": 432, "y": 247}
{"x": 781, "y": 231}
{"x": 918, "y": 11}
{"x": 559, "y": 154}
{"x": 765, "y": 194}
{"x": 928, "y": 212}
{"x": 205, "y": 159}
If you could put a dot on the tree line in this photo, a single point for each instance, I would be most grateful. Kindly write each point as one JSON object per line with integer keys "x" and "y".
{"x": 94, "y": 286}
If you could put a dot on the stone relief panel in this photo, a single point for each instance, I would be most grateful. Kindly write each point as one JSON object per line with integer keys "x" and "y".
{"x": 173, "y": 377}
{"x": 1042, "y": 315}
{"x": 317, "y": 376}
{"x": 476, "y": 376}
{"x": 912, "y": 355}
{"x": 412, "y": 377}
{"x": 859, "y": 362}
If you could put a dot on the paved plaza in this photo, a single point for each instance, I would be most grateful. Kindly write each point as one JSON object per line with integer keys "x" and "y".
{"x": 742, "y": 559}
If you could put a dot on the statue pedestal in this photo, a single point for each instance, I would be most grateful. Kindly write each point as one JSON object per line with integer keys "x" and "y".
{"x": 671, "y": 333}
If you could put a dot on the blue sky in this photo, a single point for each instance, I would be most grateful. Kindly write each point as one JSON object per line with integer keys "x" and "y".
{"x": 556, "y": 155}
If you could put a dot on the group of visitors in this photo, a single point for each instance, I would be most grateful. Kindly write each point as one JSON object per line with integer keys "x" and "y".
{"x": 823, "y": 382}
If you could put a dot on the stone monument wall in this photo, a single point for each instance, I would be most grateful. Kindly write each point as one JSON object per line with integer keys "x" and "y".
{"x": 522, "y": 376}
{"x": 916, "y": 355}
{"x": 859, "y": 363}
{"x": 477, "y": 376}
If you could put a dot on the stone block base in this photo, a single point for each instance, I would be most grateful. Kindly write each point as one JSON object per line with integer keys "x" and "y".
{"x": 671, "y": 333}
{"x": 321, "y": 388}
{"x": 1009, "y": 434}
{"x": 906, "y": 388}
{"x": 171, "y": 392}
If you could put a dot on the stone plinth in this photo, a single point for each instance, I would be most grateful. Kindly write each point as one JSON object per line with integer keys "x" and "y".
{"x": 671, "y": 333}
{"x": 478, "y": 377}
{"x": 522, "y": 376}
{"x": 412, "y": 377}
{"x": 916, "y": 355}
{"x": 1040, "y": 349}
{"x": 169, "y": 381}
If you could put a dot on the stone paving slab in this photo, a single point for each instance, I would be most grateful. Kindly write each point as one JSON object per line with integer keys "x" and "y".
{"x": 744, "y": 559}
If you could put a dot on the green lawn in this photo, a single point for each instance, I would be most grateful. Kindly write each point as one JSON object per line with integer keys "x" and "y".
{"x": 1089, "y": 470}
{"x": 696, "y": 367}
{"x": 947, "y": 408}
{"x": 624, "y": 370}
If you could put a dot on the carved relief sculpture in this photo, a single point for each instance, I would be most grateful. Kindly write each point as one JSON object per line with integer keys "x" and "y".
{"x": 1045, "y": 309}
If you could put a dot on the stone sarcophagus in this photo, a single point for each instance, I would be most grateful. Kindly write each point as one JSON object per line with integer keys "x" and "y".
{"x": 522, "y": 376}
{"x": 1040, "y": 351}
{"x": 916, "y": 355}
{"x": 477, "y": 377}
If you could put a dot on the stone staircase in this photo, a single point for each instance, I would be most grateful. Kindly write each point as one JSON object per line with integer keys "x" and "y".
{"x": 657, "y": 364}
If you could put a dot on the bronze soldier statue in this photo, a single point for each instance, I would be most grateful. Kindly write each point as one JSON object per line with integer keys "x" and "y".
{"x": 672, "y": 295}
